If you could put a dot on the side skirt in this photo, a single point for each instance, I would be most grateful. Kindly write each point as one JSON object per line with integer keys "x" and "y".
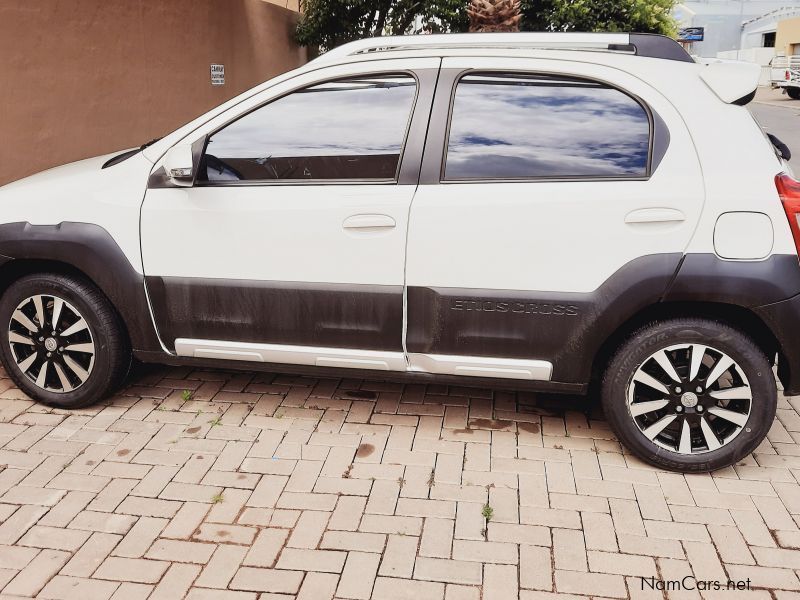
{"x": 364, "y": 373}
{"x": 433, "y": 364}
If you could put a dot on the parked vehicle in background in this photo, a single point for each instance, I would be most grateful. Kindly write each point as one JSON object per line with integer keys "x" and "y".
{"x": 565, "y": 212}
{"x": 785, "y": 74}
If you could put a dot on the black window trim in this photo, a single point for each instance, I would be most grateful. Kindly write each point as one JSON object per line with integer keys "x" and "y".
{"x": 294, "y": 182}
{"x": 555, "y": 178}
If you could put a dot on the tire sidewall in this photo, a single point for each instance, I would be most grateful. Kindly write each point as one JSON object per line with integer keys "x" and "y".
{"x": 718, "y": 336}
{"x": 64, "y": 288}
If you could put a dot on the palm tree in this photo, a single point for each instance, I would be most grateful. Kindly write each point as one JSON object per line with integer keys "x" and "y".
{"x": 494, "y": 15}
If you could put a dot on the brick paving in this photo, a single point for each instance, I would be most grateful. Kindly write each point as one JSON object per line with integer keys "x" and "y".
{"x": 224, "y": 485}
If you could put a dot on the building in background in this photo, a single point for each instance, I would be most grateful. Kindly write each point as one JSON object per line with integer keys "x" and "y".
{"x": 759, "y": 43}
{"x": 787, "y": 39}
{"x": 723, "y": 23}
{"x": 89, "y": 77}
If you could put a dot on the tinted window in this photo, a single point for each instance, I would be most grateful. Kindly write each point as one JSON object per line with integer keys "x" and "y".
{"x": 348, "y": 129}
{"x": 507, "y": 127}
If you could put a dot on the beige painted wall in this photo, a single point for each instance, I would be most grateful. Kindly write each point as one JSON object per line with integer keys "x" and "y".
{"x": 88, "y": 77}
{"x": 787, "y": 37}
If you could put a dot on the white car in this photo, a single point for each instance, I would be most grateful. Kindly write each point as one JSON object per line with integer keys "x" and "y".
{"x": 559, "y": 212}
{"x": 785, "y": 74}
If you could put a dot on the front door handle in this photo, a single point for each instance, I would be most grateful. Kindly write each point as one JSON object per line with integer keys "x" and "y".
{"x": 370, "y": 222}
{"x": 655, "y": 215}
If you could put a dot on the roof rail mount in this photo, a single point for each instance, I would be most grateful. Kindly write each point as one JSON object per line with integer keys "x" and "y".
{"x": 640, "y": 44}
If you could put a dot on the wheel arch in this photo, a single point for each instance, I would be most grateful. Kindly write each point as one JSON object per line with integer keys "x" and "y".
{"x": 738, "y": 317}
{"x": 87, "y": 251}
{"x": 16, "y": 269}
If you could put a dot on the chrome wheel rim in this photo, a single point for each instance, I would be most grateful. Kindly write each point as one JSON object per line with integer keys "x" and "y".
{"x": 690, "y": 399}
{"x": 51, "y": 343}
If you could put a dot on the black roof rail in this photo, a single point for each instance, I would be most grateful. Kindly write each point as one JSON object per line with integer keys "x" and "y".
{"x": 654, "y": 45}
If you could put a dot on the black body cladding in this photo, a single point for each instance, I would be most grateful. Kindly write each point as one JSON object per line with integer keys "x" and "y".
{"x": 564, "y": 328}
{"x": 334, "y": 316}
{"x": 91, "y": 250}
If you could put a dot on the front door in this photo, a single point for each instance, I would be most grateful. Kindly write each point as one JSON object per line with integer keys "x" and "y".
{"x": 290, "y": 246}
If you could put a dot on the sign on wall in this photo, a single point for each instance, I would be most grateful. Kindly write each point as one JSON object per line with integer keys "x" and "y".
{"x": 217, "y": 74}
{"x": 691, "y": 34}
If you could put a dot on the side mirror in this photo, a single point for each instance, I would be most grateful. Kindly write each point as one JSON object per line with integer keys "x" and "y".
{"x": 179, "y": 165}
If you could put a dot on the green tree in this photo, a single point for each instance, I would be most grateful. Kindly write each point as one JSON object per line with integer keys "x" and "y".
{"x": 329, "y": 23}
{"x": 641, "y": 16}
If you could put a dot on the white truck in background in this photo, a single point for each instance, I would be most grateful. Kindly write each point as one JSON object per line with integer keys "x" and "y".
{"x": 785, "y": 73}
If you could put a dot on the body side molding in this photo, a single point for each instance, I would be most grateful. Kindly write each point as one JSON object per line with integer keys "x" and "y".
{"x": 478, "y": 366}
{"x": 298, "y": 355}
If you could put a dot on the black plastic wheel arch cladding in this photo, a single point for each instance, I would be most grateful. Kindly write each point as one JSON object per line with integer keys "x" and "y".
{"x": 89, "y": 249}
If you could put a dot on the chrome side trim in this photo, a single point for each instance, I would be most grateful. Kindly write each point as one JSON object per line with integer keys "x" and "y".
{"x": 480, "y": 366}
{"x": 296, "y": 355}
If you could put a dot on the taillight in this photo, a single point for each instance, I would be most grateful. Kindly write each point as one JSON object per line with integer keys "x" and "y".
{"x": 787, "y": 75}
{"x": 789, "y": 191}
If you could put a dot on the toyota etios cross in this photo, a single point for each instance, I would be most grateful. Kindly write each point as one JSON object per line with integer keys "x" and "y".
{"x": 542, "y": 209}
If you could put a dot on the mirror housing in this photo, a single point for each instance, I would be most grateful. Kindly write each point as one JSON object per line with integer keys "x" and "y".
{"x": 179, "y": 165}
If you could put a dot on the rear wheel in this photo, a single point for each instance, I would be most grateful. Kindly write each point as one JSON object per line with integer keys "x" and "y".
{"x": 61, "y": 340}
{"x": 794, "y": 93}
{"x": 690, "y": 395}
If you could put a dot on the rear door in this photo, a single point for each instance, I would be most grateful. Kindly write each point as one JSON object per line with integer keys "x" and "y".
{"x": 554, "y": 201}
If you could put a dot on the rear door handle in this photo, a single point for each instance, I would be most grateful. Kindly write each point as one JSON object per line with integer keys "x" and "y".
{"x": 369, "y": 221}
{"x": 655, "y": 215}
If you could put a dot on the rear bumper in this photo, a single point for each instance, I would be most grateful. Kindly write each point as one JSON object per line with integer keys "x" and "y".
{"x": 783, "y": 318}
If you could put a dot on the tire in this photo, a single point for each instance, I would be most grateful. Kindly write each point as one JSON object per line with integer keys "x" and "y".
{"x": 793, "y": 92}
{"x": 88, "y": 360}
{"x": 737, "y": 425}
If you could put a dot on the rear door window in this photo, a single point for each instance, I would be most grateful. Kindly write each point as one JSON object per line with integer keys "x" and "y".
{"x": 510, "y": 126}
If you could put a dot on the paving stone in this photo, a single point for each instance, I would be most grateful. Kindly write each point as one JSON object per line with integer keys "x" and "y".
{"x": 437, "y": 538}
{"x": 54, "y": 538}
{"x": 536, "y": 570}
{"x": 500, "y": 581}
{"x": 596, "y": 584}
{"x": 318, "y": 586}
{"x": 267, "y": 580}
{"x": 131, "y": 569}
{"x": 358, "y": 575}
{"x": 388, "y": 588}
{"x": 399, "y": 556}
{"x": 308, "y": 531}
{"x": 450, "y": 571}
{"x": 61, "y": 586}
{"x": 264, "y": 551}
{"x": 353, "y": 540}
{"x": 325, "y": 561}
{"x": 180, "y": 551}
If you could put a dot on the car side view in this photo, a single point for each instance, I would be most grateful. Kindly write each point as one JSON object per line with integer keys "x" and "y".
{"x": 561, "y": 212}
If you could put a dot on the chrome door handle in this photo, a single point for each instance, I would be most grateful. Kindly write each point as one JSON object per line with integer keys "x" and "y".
{"x": 369, "y": 222}
{"x": 655, "y": 215}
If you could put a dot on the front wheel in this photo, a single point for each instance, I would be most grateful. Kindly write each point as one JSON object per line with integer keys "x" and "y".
{"x": 61, "y": 340}
{"x": 690, "y": 395}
